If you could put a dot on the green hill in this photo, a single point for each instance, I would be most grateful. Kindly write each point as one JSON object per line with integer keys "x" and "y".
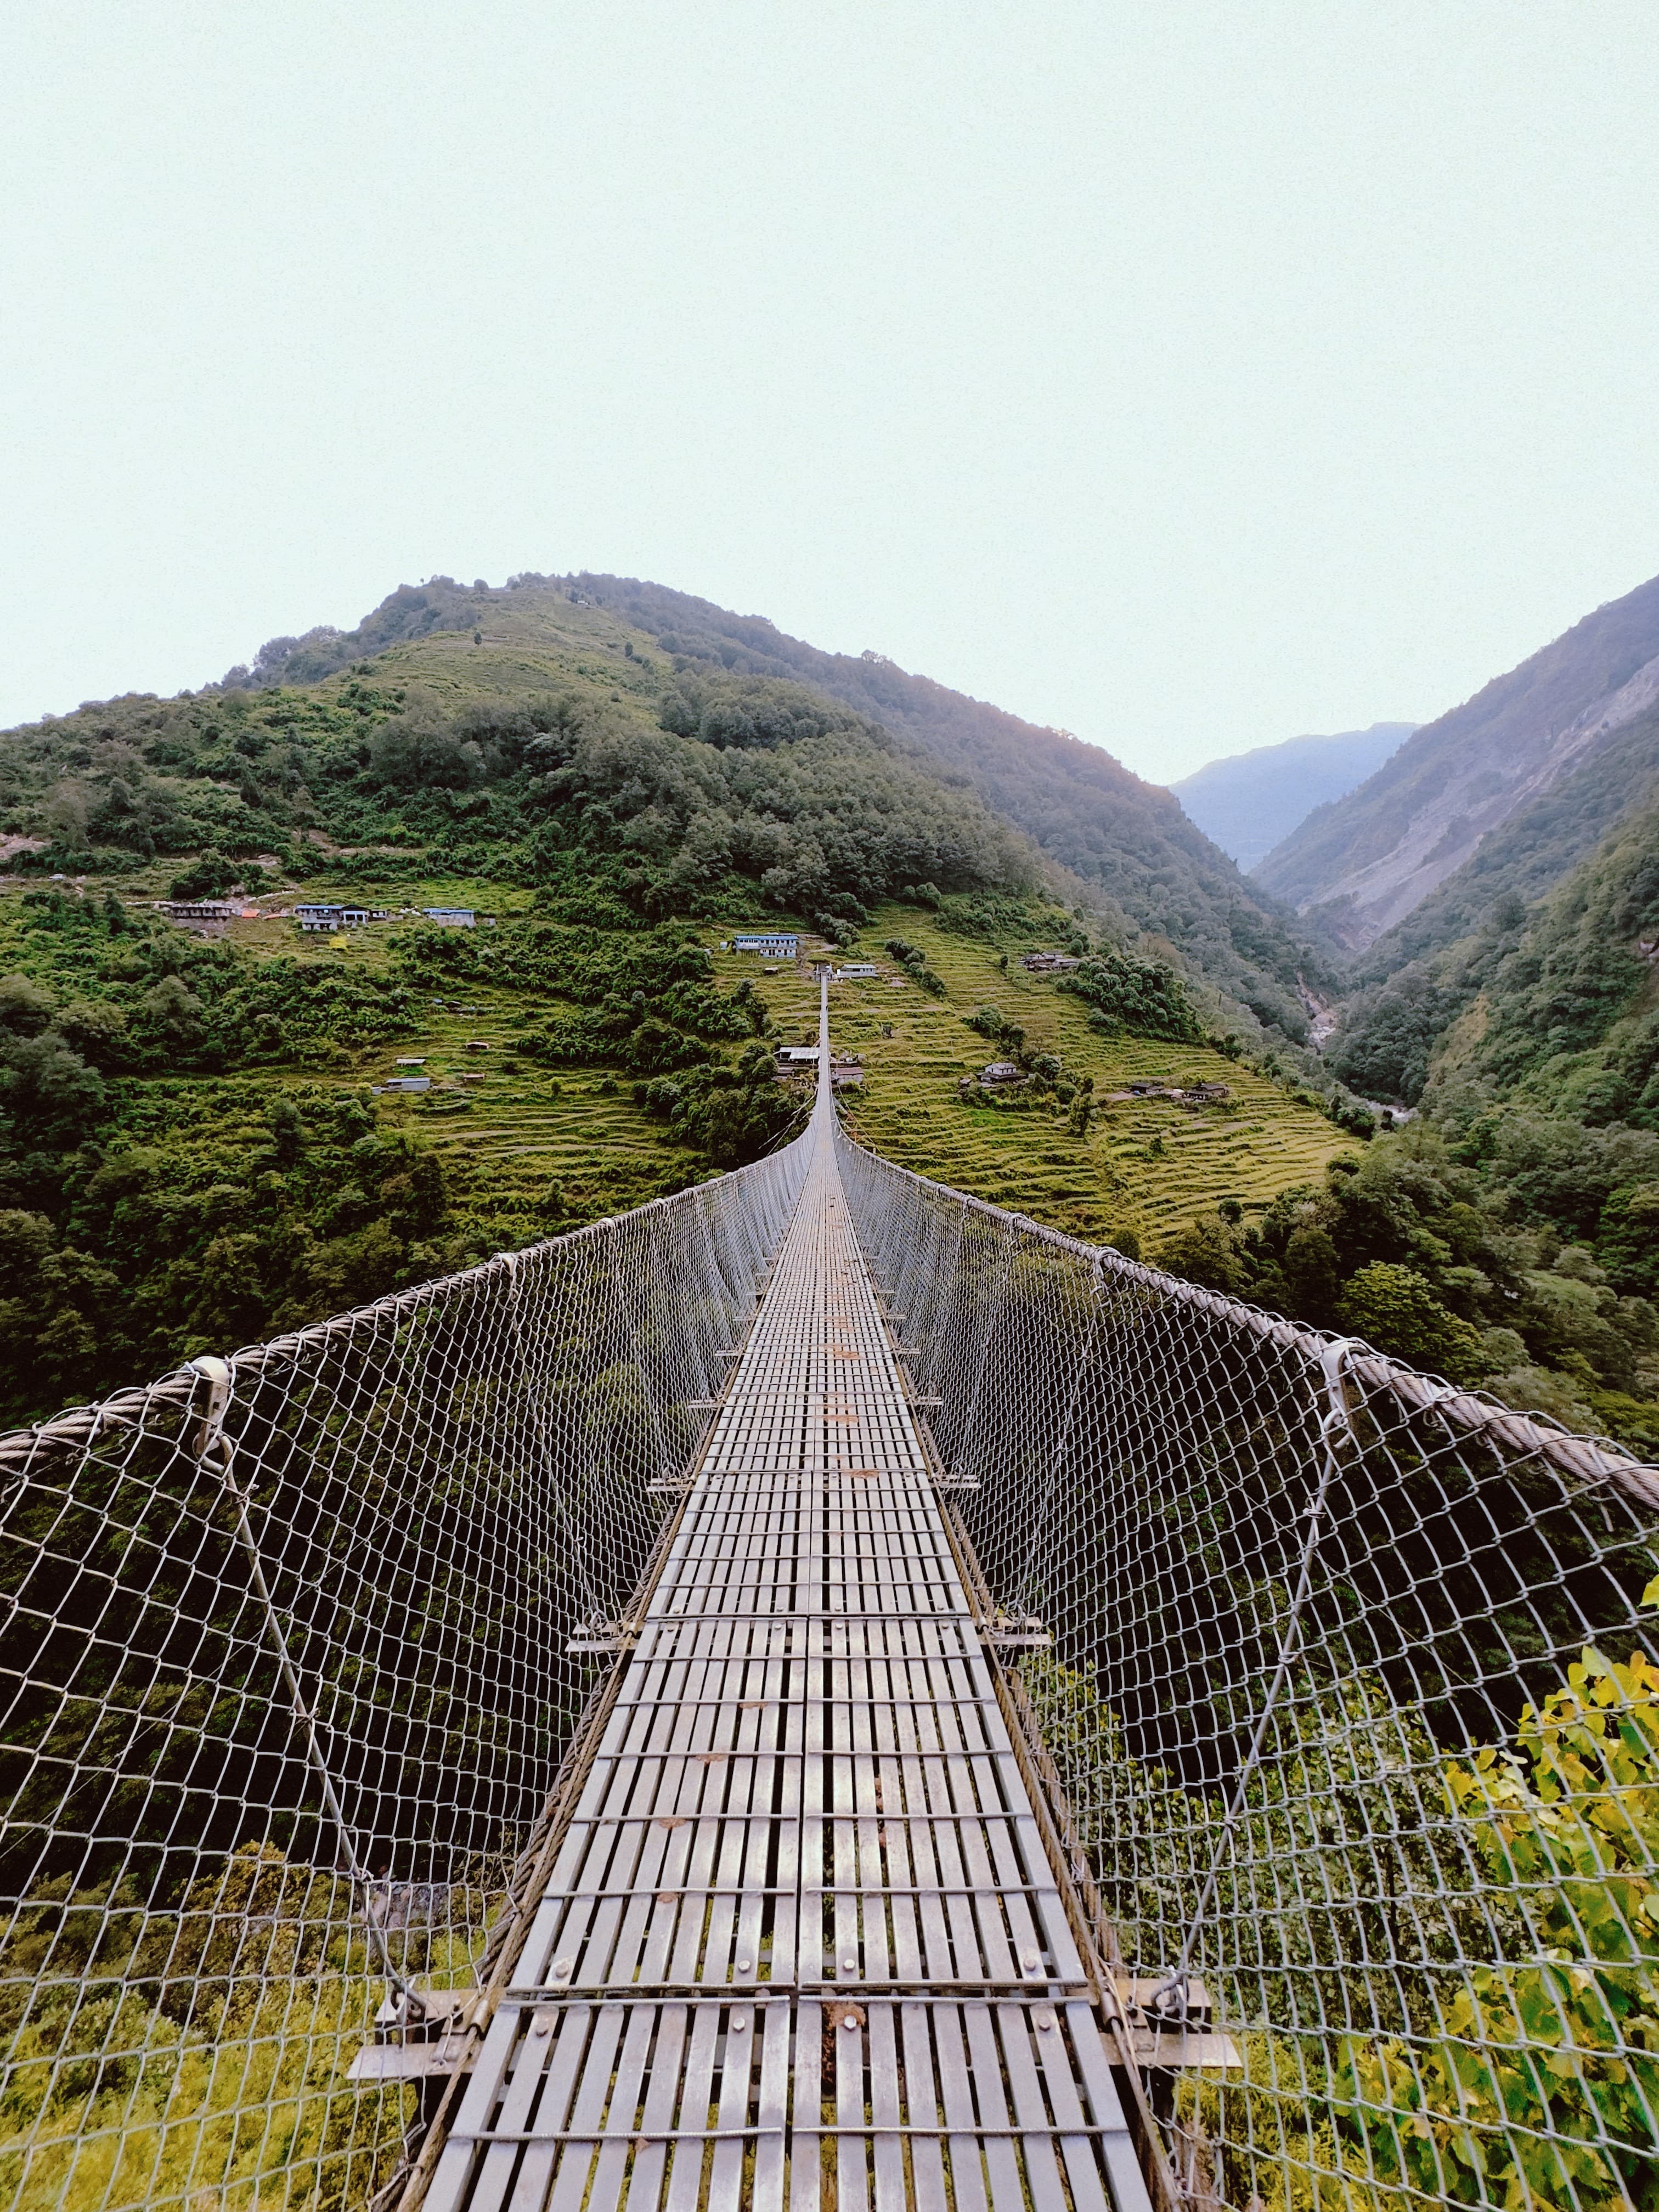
{"x": 1127, "y": 841}
{"x": 192, "y": 1151}
{"x": 1563, "y": 1004}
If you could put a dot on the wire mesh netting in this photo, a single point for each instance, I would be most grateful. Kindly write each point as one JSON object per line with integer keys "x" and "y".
{"x": 1352, "y": 1703}
{"x": 287, "y": 1684}
{"x": 1352, "y": 1717}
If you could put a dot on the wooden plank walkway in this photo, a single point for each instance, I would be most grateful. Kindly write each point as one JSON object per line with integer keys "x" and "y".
{"x": 803, "y": 1945}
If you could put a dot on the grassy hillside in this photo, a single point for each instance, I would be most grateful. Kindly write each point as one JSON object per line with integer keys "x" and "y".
{"x": 192, "y": 1154}
{"x": 1138, "y": 1170}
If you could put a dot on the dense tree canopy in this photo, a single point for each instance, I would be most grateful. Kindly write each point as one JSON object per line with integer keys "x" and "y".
{"x": 736, "y": 790}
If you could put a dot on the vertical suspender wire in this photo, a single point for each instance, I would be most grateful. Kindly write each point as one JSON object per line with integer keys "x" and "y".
{"x": 214, "y": 1440}
{"x": 544, "y": 1449}
{"x": 1335, "y": 1421}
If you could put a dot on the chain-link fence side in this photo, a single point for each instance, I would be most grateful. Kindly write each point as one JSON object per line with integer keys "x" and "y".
{"x": 1320, "y": 1698}
{"x": 287, "y": 1684}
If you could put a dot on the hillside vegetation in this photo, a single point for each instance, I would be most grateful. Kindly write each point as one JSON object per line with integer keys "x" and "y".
{"x": 191, "y": 1153}
{"x": 1129, "y": 844}
{"x": 1525, "y": 858}
{"x": 689, "y": 795}
{"x": 1511, "y": 1236}
{"x": 1064, "y": 1148}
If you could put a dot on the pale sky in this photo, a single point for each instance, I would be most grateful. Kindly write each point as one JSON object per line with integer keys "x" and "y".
{"x": 1185, "y": 375}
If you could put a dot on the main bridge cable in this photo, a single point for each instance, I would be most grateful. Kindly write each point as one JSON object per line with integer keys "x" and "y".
{"x": 1338, "y": 1422}
{"x": 213, "y": 1441}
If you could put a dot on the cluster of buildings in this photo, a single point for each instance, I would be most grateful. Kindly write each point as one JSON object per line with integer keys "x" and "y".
{"x": 785, "y": 944}
{"x": 313, "y": 916}
{"x": 353, "y": 917}
{"x": 1193, "y": 1094}
{"x": 803, "y": 1059}
{"x": 333, "y": 918}
{"x": 1044, "y": 963}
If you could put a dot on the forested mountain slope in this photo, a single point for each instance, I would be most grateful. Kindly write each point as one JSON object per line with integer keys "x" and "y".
{"x": 652, "y": 794}
{"x": 1552, "y": 997}
{"x": 1570, "y": 1015}
{"x": 1247, "y": 802}
{"x": 1128, "y": 839}
{"x": 1125, "y": 839}
{"x": 1357, "y": 867}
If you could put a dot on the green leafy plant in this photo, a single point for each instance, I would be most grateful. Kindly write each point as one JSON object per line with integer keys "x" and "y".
{"x": 1543, "y": 2087}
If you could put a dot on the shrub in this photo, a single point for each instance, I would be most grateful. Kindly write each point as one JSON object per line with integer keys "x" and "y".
{"x": 1392, "y": 1307}
{"x": 1147, "y": 999}
{"x": 1545, "y": 2087}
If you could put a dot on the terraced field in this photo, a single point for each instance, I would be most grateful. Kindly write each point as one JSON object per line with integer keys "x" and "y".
{"x": 1146, "y": 1164}
{"x": 524, "y": 1149}
{"x": 527, "y": 1152}
{"x": 528, "y": 1148}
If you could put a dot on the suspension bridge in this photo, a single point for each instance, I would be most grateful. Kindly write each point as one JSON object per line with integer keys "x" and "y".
{"x": 803, "y": 1899}
{"x": 818, "y": 1693}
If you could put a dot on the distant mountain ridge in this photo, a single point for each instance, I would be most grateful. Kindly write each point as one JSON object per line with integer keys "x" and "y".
{"x": 1248, "y": 802}
{"x": 1526, "y": 857}
{"x": 1358, "y": 867}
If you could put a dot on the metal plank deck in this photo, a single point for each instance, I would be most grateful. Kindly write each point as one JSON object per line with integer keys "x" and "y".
{"x": 803, "y": 1943}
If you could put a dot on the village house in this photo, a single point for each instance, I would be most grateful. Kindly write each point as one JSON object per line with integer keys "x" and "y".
{"x": 1042, "y": 963}
{"x": 206, "y": 910}
{"x": 337, "y": 917}
{"x": 771, "y": 944}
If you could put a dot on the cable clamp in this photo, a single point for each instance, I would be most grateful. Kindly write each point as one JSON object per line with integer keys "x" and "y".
{"x": 217, "y": 1373}
{"x": 1332, "y": 1360}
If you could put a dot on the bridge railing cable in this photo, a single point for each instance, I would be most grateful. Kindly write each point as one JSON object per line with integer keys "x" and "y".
{"x": 1350, "y": 1700}
{"x": 287, "y": 1678}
